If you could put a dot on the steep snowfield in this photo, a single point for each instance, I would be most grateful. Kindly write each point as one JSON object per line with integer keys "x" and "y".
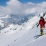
{"x": 22, "y": 35}
{"x": 41, "y": 41}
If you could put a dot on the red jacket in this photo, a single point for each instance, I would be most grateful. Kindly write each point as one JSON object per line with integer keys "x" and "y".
{"x": 42, "y": 22}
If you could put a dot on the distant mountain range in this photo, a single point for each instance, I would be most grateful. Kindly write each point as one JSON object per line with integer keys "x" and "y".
{"x": 13, "y": 19}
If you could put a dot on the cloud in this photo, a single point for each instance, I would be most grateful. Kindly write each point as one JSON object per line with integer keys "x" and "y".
{"x": 16, "y": 7}
{"x": 30, "y": 11}
{"x": 35, "y": 8}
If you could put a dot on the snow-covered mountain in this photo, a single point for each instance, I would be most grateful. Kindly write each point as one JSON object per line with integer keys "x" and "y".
{"x": 11, "y": 19}
{"x": 22, "y": 35}
{"x": 14, "y": 19}
{"x": 3, "y": 24}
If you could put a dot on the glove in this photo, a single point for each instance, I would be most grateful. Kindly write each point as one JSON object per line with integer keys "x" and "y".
{"x": 37, "y": 25}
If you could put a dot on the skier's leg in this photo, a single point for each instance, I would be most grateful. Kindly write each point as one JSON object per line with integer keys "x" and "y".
{"x": 42, "y": 31}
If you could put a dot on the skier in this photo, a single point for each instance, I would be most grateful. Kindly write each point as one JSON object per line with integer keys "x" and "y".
{"x": 42, "y": 23}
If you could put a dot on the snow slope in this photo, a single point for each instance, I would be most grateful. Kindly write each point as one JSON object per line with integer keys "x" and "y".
{"x": 22, "y": 35}
{"x": 41, "y": 41}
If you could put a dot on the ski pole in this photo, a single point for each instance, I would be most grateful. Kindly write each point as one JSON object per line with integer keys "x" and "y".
{"x": 36, "y": 31}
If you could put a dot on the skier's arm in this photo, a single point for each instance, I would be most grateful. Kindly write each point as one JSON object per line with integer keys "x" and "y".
{"x": 37, "y": 24}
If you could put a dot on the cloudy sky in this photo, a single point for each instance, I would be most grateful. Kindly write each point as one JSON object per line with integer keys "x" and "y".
{"x": 22, "y": 7}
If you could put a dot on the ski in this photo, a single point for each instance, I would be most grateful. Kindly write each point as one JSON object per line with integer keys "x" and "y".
{"x": 37, "y": 36}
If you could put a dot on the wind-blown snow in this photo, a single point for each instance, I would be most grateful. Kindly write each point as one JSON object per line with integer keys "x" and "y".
{"x": 22, "y": 35}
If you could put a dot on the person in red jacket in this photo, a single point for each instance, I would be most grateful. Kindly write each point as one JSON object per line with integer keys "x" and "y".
{"x": 42, "y": 23}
